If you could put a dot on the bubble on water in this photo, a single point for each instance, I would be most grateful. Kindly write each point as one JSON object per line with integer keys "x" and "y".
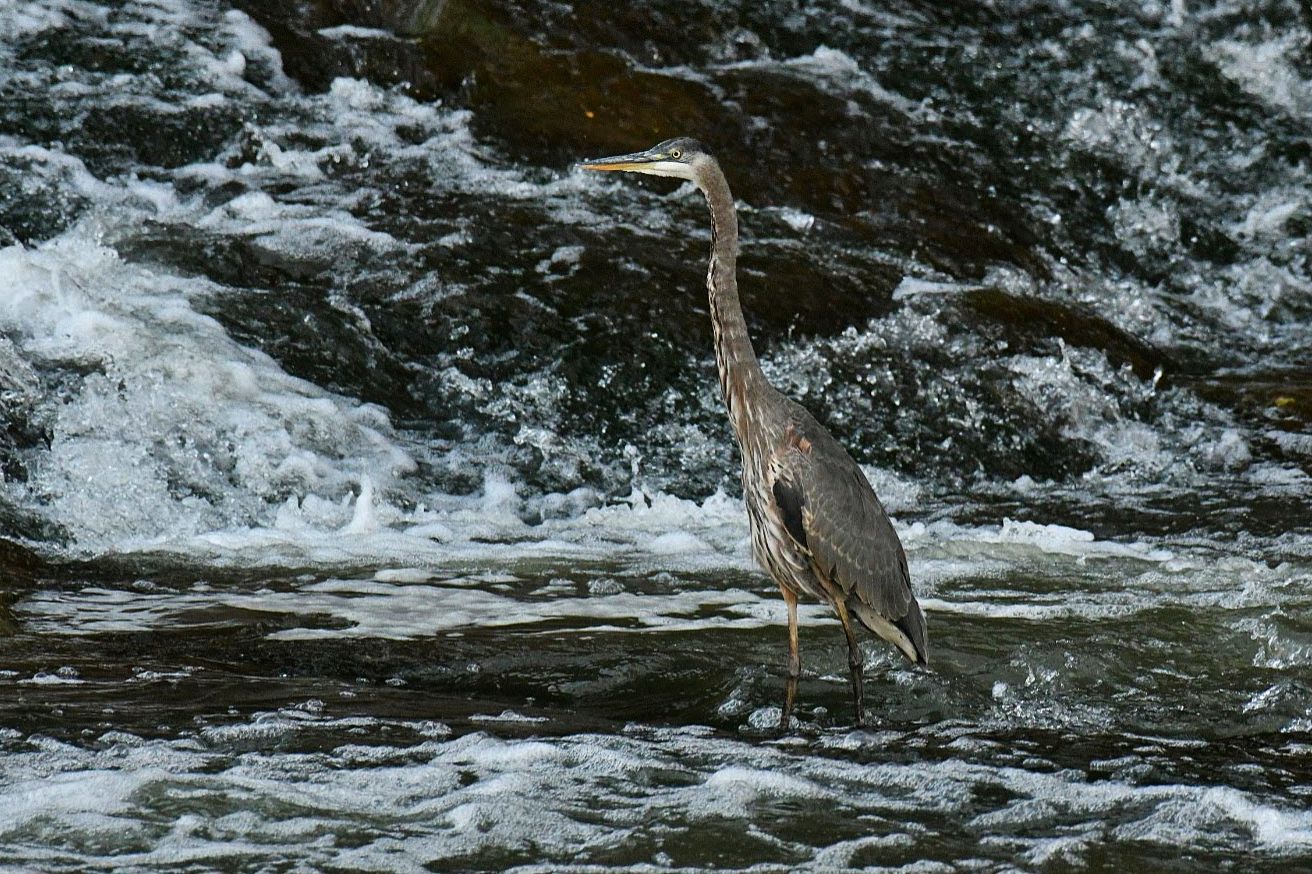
{"x": 1146, "y": 227}
{"x": 1268, "y": 214}
{"x": 1127, "y": 132}
{"x": 765, "y": 717}
{"x": 1282, "y": 644}
{"x": 431, "y": 729}
{"x": 605, "y": 586}
{"x": 442, "y": 799}
{"x": 62, "y": 677}
{"x": 1228, "y": 451}
{"x": 512, "y": 716}
{"x": 677, "y": 542}
{"x": 738, "y": 703}
{"x": 142, "y": 675}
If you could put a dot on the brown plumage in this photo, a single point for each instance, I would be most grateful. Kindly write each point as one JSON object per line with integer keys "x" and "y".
{"x": 817, "y": 527}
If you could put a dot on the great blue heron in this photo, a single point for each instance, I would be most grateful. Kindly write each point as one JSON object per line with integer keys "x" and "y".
{"x": 817, "y": 527}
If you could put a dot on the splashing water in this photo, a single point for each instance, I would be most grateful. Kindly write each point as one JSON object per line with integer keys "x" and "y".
{"x": 379, "y": 508}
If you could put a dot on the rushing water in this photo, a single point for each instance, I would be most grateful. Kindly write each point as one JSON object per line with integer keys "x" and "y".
{"x": 366, "y": 502}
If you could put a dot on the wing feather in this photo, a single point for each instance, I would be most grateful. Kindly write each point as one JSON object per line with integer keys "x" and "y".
{"x": 844, "y": 528}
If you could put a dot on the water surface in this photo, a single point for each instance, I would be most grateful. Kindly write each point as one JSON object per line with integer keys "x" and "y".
{"x": 367, "y": 503}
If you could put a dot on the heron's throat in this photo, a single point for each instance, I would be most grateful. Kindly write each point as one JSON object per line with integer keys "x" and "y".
{"x": 740, "y": 373}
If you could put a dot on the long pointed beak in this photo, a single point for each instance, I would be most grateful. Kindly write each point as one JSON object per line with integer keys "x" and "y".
{"x": 634, "y": 161}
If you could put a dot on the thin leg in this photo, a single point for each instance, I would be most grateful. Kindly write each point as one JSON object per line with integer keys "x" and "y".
{"x": 854, "y": 660}
{"x": 794, "y": 659}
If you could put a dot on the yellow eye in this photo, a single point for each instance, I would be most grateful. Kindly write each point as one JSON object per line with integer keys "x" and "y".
{"x": 676, "y": 154}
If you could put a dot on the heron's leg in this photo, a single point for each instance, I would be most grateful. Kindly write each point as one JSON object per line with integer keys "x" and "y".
{"x": 854, "y": 661}
{"x": 794, "y": 658}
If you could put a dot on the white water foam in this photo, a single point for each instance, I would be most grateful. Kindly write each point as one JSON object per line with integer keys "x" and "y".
{"x": 170, "y": 436}
{"x": 1267, "y": 69}
{"x": 572, "y": 799}
{"x": 176, "y": 429}
{"x": 619, "y": 569}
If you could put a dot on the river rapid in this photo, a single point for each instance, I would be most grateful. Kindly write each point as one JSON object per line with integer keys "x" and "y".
{"x": 367, "y": 502}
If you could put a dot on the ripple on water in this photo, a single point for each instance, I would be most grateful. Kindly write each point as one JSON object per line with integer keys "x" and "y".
{"x": 645, "y": 797}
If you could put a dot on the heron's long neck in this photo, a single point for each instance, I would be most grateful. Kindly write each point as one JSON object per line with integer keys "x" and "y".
{"x": 740, "y": 373}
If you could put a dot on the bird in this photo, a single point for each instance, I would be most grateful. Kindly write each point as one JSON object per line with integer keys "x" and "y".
{"x": 817, "y": 527}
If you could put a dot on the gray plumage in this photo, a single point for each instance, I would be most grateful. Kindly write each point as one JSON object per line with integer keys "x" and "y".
{"x": 817, "y": 527}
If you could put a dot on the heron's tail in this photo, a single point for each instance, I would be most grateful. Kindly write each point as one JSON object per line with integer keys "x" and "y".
{"x": 906, "y": 633}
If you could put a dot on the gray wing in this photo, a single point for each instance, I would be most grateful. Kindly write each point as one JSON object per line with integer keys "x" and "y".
{"x": 831, "y": 512}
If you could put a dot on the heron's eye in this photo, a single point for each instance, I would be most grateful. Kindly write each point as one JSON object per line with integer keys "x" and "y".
{"x": 676, "y": 154}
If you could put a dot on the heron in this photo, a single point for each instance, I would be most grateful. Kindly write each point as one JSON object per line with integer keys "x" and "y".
{"x": 817, "y": 527}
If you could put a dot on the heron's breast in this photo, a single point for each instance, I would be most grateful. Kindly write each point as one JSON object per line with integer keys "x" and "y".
{"x": 774, "y": 548}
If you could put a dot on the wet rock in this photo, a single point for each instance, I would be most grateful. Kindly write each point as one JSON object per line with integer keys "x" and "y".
{"x": 24, "y": 423}
{"x": 318, "y": 42}
{"x": 1025, "y": 320}
{"x": 1277, "y": 404}
{"x": 111, "y": 139}
{"x": 34, "y": 206}
{"x": 20, "y": 567}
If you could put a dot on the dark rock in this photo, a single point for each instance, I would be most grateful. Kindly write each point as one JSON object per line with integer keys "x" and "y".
{"x": 1024, "y": 320}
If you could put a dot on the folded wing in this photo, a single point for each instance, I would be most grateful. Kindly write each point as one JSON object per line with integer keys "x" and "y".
{"x": 831, "y": 513}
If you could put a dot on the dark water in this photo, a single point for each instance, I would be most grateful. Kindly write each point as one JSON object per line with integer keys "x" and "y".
{"x": 367, "y": 503}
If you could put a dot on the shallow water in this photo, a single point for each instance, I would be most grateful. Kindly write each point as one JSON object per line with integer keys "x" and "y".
{"x": 1089, "y": 703}
{"x": 366, "y": 503}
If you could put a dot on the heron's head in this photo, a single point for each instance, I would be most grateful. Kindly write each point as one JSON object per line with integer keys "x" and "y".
{"x": 681, "y": 157}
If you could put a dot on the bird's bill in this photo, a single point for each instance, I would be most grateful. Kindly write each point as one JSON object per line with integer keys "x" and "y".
{"x": 634, "y": 162}
{"x": 652, "y": 162}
